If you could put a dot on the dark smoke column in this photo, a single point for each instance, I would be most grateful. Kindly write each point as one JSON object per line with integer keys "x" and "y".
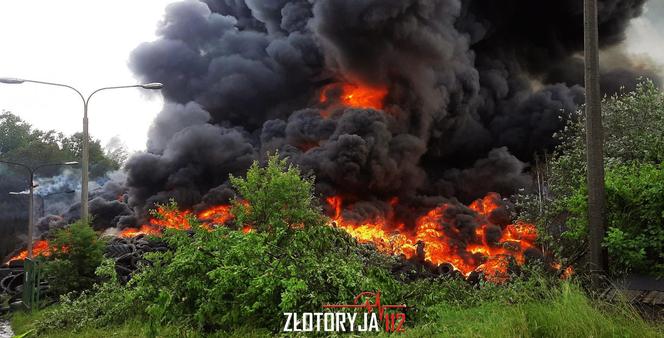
{"x": 594, "y": 143}
{"x": 472, "y": 89}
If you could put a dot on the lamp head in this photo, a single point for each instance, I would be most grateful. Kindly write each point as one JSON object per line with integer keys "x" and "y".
{"x": 11, "y": 80}
{"x": 153, "y": 85}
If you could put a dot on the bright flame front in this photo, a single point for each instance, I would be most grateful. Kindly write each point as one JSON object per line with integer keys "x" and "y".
{"x": 440, "y": 236}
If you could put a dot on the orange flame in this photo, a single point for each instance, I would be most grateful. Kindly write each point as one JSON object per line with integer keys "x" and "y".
{"x": 435, "y": 238}
{"x": 181, "y": 220}
{"x": 145, "y": 229}
{"x": 354, "y": 96}
{"x": 441, "y": 241}
{"x": 358, "y": 96}
{"x": 217, "y": 215}
{"x": 39, "y": 248}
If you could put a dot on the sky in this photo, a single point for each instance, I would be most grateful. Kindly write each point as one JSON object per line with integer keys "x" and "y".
{"x": 86, "y": 44}
{"x": 646, "y": 34}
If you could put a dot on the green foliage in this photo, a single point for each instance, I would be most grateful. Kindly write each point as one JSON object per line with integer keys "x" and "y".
{"x": 225, "y": 279}
{"x": 104, "y": 304}
{"x": 14, "y": 132}
{"x": 77, "y": 252}
{"x": 275, "y": 198}
{"x": 441, "y": 308}
{"x": 635, "y": 215}
{"x": 564, "y": 311}
{"x": 633, "y": 150}
{"x": 633, "y": 132}
{"x": 19, "y": 142}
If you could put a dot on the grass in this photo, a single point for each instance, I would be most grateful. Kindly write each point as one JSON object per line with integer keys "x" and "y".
{"x": 22, "y": 323}
{"x": 566, "y": 313}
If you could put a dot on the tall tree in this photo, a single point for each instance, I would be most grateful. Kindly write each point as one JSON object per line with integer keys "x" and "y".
{"x": 594, "y": 143}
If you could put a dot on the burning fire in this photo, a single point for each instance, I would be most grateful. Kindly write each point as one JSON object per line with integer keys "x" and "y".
{"x": 39, "y": 248}
{"x": 437, "y": 237}
{"x": 363, "y": 96}
{"x": 438, "y": 234}
{"x": 354, "y": 95}
{"x": 167, "y": 219}
{"x": 181, "y": 220}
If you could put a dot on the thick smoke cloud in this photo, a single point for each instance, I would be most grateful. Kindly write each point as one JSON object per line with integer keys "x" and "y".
{"x": 186, "y": 162}
{"x": 475, "y": 88}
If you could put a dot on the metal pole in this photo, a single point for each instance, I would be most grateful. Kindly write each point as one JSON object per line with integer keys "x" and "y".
{"x": 86, "y": 145}
{"x": 85, "y": 164}
{"x": 43, "y": 206}
{"x": 31, "y": 200}
{"x": 31, "y": 211}
{"x": 594, "y": 144}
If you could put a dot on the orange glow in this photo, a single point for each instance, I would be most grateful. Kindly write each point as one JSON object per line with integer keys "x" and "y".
{"x": 181, "y": 220}
{"x": 39, "y": 248}
{"x": 567, "y": 273}
{"x": 440, "y": 235}
{"x": 218, "y": 215}
{"x": 358, "y": 96}
{"x": 354, "y": 95}
{"x": 145, "y": 229}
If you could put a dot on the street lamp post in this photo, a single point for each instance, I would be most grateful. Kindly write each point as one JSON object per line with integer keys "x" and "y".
{"x": 85, "y": 156}
{"x": 31, "y": 187}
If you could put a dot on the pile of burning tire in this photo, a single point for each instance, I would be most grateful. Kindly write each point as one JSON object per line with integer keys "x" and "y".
{"x": 128, "y": 254}
{"x": 11, "y": 284}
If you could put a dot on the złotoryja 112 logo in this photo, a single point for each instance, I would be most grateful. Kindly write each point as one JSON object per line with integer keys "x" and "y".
{"x": 366, "y": 314}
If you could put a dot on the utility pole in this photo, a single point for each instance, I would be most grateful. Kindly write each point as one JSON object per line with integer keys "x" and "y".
{"x": 31, "y": 189}
{"x": 31, "y": 269}
{"x": 594, "y": 143}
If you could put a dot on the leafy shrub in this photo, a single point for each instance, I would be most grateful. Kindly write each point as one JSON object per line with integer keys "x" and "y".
{"x": 635, "y": 215}
{"x": 226, "y": 279}
{"x": 77, "y": 252}
{"x": 633, "y": 149}
{"x": 275, "y": 198}
{"x": 104, "y": 304}
{"x": 223, "y": 279}
{"x": 633, "y": 133}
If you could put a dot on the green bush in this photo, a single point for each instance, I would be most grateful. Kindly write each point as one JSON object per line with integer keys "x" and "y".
{"x": 635, "y": 215}
{"x": 633, "y": 133}
{"x": 225, "y": 279}
{"x": 292, "y": 261}
{"x": 105, "y": 304}
{"x": 77, "y": 251}
{"x": 633, "y": 152}
{"x": 275, "y": 198}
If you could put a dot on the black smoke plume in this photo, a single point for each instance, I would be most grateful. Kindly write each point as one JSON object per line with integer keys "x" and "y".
{"x": 475, "y": 88}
